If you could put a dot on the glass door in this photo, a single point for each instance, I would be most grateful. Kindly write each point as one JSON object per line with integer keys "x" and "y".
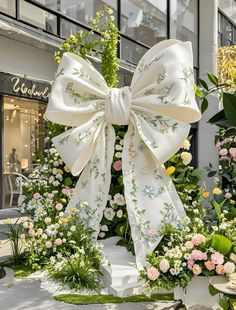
{"x": 23, "y": 138}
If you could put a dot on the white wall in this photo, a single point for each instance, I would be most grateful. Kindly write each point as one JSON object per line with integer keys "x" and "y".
{"x": 20, "y": 58}
{"x": 207, "y": 152}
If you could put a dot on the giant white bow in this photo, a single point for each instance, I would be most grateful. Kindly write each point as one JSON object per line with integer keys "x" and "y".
{"x": 157, "y": 107}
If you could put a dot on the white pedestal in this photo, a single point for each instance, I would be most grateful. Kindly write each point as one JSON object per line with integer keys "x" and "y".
{"x": 197, "y": 293}
{"x": 120, "y": 274}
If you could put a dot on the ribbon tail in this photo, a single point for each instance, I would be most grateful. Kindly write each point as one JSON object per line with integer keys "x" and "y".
{"x": 151, "y": 198}
{"x": 94, "y": 182}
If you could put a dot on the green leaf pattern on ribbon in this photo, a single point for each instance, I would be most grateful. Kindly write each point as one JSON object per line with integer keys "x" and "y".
{"x": 78, "y": 98}
{"x": 142, "y": 66}
{"x": 84, "y": 76}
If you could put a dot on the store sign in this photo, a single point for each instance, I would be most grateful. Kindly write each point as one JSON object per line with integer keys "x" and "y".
{"x": 23, "y": 87}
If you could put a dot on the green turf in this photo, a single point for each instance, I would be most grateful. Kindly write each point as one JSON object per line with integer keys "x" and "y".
{"x": 22, "y": 271}
{"x": 78, "y": 299}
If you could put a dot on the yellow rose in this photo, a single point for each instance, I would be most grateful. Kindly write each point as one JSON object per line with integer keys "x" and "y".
{"x": 65, "y": 220}
{"x": 75, "y": 210}
{"x": 60, "y": 222}
{"x": 217, "y": 191}
{"x": 69, "y": 216}
{"x": 170, "y": 170}
{"x": 205, "y": 195}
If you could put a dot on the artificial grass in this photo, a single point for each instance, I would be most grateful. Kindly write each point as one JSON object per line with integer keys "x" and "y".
{"x": 78, "y": 299}
{"x": 22, "y": 271}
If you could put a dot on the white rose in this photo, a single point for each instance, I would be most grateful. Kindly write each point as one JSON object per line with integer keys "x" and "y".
{"x": 186, "y": 144}
{"x": 119, "y": 214}
{"x": 104, "y": 228}
{"x": 56, "y": 183}
{"x": 52, "y": 150}
{"x": 54, "y": 171}
{"x": 119, "y": 199}
{"x": 51, "y": 179}
{"x": 229, "y": 267}
{"x": 101, "y": 234}
{"x": 118, "y": 147}
{"x": 228, "y": 195}
{"x": 66, "y": 169}
{"x": 186, "y": 157}
{"x": 118, "y": 154}
{"x": 109, "y": 214}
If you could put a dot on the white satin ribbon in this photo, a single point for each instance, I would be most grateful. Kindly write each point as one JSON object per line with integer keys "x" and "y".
{"x": 158, "y": 107}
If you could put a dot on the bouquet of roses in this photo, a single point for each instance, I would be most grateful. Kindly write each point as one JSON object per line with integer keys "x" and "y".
{"x": 191, "y": 250}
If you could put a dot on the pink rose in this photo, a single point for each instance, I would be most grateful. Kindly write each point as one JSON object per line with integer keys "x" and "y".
{"x": 58, "y": 241}
{"x": 50, "y": 196}
{"x": 198, "y": 255}
{"x": 232, "y": 152}
{"x": 220, "y": 270}
{"x": 153, "y": 273}
{"x": 59, "y": 206}
{"x": 164, "y": 265}
{"x": 22, "y": 236}
{"x": 223, "y": 152}
{"x": 209, "y": 265}
{"x": 117, "y": 165}
{"x": 198, "y": 239}
{"x": 196, "y": 269}
{"x": 31, "y": 232}
{"x": 37, "y": 196}
{"x": 189, "y": 245}
{"x": 48, "y": 244}
{"x": 217, "y": 258}
{"x": 229, "y": 267}
{"x": 190, "y": 262}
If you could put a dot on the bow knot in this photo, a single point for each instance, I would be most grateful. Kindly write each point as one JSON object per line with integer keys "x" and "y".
{"x": 117, "y": 106}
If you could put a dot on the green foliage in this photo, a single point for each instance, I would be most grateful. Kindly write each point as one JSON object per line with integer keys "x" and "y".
{"x": 109, "y": 299}
{"x": 77, "y": 270}
{"x": 14, "y": 231}
{"x": 22, "y": 271}
{"x": 221, "y": 244}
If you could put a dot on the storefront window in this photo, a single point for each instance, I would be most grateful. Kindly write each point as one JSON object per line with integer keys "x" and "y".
{"x": 184, "y": 23}
{"x": 8, "y": 7}
{"x": 83, "y": 11}
{"x": 144, "y": 21}
{"x": 38, "y": 17}
{"x": 131, "y": 52}
{"x": 24, "y": 138}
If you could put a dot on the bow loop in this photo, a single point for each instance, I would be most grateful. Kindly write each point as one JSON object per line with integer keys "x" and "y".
{"x": 117, "y": 106}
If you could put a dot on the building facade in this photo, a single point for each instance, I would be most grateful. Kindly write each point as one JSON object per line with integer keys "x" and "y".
{"x": 31, "y": 31}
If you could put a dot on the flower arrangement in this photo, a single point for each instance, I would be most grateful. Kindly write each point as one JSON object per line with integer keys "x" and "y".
{"x": 59, "y": 241}
{"x": 191, "y": 250}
